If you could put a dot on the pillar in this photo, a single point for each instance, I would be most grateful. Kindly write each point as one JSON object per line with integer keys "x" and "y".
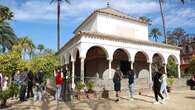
{"x": 165, "y": 67}
{"x": 73, "y": 73}
{"x": 82, "y": 69}
{"x": 179, "y": 71}
{"x": 110, "y": 68}
{"x": 150, "y": 75}
{"x": 132, "y": 65}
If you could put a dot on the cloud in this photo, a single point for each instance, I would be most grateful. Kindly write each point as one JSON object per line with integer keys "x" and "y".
{"x": 33, "y": 10}
{"x": 183, "y": 17}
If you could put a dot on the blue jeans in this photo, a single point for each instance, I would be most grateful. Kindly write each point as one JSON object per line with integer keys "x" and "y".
{"x": 131, "y": 90}
{"x": 58, "y": 91}
{"x": 163, "y": 89}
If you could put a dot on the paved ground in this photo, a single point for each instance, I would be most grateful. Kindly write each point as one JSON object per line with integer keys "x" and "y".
{"x": 179, "y": 100}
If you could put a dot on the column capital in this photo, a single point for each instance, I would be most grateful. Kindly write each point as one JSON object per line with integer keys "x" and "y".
{"x": 109, "y": 59}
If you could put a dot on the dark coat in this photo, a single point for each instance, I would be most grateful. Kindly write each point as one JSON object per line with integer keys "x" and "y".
{"x": 156, "y": 80}
{"x": 117, "y": 80}
{"x": 131, "y": 77}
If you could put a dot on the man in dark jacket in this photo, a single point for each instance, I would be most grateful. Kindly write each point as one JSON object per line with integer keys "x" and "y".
{"x": 157, "y": 86}
{"x": 23, "y": 82}
{"x": 30, "y": 84}
{"x": 131, "y": 83}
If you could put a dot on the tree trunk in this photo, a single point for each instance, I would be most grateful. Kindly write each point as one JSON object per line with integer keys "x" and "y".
{"x": 163, "y": 21}
{"x": 58, "y": 25}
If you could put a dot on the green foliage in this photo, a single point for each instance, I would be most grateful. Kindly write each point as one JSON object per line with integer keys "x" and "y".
{"x": 5, "y": 13}
{"x": 90, "y": 85}
{"x": 192, "y": 66}
{"x": 79, "y": 85}
{"x": 47, "y": 62}
{"x": 170, "y": 80}
{"x": 9, "y": 62}
{"x": 171, "y": 67}
{"x": 7, "y": 37}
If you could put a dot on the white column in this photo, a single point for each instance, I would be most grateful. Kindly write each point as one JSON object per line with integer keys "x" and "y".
{"x": 150, "y": 74}
{"x": 73, "y": 73}
{"x": 179, "y": 72}
{"x": 165, "y": 67}
{"x": 110, "y": 68}
{"x": 132, "y": 64}
{"x": 82, "y": 69}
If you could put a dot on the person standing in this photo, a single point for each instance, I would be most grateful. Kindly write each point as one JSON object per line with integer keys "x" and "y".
{"x": 59, "y": 81}
{"x": 117, "y": 82}
{"x": 1, "y": 81}
{"x": 131, "y": 76}
{"x": 30, "y": 84}
{"x": 38, "y": 85}
{"x": 23, "y": 83}
{"x": 156, "y": 87}
{"x": 163, "y": 80}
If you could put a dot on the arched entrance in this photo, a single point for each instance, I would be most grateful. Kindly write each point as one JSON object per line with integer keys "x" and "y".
{"x": 141, "y": 66}
{"x": 157, "y": 62}
{"x": 120, "y": 58}
{"x": 96, "y": 62}
{"x": 77, "y": 67}
{"x": 172, "y": 69}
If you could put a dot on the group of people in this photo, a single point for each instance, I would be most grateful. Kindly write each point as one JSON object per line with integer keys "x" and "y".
{"x": 159, "y": 84}
{"x": 29, "y": 85}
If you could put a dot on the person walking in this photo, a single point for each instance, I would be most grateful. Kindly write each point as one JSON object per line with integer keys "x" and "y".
{"x": 117, "y": 82}
{"x": 156, "y": 87}
{"x": 131, "y": 76}
{"x": 38, "y": 91}
{"x": 163, "y": 80}
{"x": 30, "y": 84}
{"x": 23, "y": 83}
{"x": 59, "y": 81}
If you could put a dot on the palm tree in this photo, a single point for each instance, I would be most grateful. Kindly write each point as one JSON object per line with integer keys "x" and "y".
{"x": 146, "y": 19}
{"x": 155, "y": 33}
{"x": 27, "y": 46}
{"x": 58, "y": 20}
{"x": 5, "y": 14}
{"x": 40, "y": 47}
{"x": 161, "y": 2}
{"x": 7, "y": 36}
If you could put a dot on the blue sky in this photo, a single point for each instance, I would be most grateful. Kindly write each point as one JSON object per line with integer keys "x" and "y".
{"x": 37, "y": 18}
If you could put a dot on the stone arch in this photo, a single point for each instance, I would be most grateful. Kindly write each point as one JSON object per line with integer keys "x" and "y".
{"x": 125, "y": 50}
{"x": 121, "y": 58}
{"x": 77, "y": 65}
{"x": 96, "y": 62}
{"x": 172, "y": 66}
{"x": 157, "y": 61}
{"x": 75, "y": 51}
{"x": 141, "y": 63}
{"x": 103, "y": 48}
{"x": 174, "y": 57}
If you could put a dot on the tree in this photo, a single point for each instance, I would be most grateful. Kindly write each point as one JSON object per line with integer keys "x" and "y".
{"x": 179, "y": 34}
{"x": 161, "y": 2}
{"x": 146, "y": 19}
{"x": 58, "y": 20}
{"x": 155, "y": 33}
{"x": 27, "y": 46}
{"x": 192, "y": 65}
{"x": 7, "y": 36}
{"x": 40, "y": 47}
{"x": 171, "y": 67}
{"x": 5, "y": 14}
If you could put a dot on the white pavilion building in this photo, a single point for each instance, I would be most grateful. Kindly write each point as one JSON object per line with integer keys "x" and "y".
{"x": 108, "y": 38}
